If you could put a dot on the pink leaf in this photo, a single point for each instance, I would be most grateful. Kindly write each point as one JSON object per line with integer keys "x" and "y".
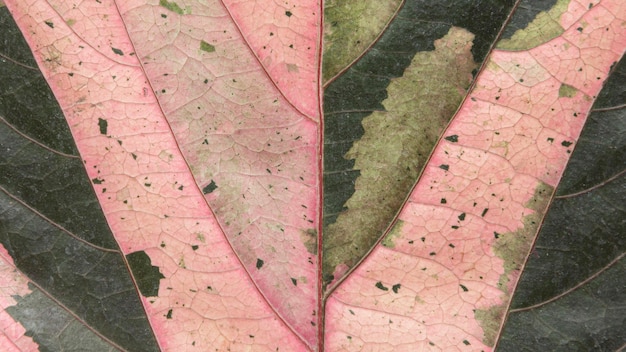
{"x": 445, "y": 275}
{"x": 199, "y": 125}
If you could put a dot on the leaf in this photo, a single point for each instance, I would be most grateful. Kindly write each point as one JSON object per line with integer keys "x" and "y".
{"x": 198, "y": 127}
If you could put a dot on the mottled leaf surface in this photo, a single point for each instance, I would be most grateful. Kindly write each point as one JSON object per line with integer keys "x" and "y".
{"x": 576, "y": 269}
{"x": 461, "y": 240}
{"x": 181, "y": 209}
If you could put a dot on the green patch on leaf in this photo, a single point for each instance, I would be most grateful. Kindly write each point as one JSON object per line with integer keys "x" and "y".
{"x": 204, "y": 46}
{"x": 351, "y": 26}
{"x": 567, "y": 91}
{"x": 117, "y": 51}
{"x": 513, "y": 248}
{"x": 147, "y": 276}
{"x": 172, "y": 6}
{"x": 453, "y": 138}
{"x": 380, "y": 286}
{"x": 389, "y": 240}
{"x": 209, "y": 188}
{"x": 309, "y": 239}
{"x": 490, "y": 320}
{"x": 103, "y": 125}
{"x": 259, "y": 263}
{"x": 545, "y": 27}
{"x": 397, "y": 143}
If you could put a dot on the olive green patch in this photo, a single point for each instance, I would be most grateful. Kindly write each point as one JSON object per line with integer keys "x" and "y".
{"x": 351, "y": 26}
{"x": 309, "y": 239}
{"x": 545, "y": 27}
{"x": 396, "y": 230}
{"x": 397, "y": 143}
{"x": 567, "y": 91}
{"x": 513, "y": 248}
{"x": 204, "y": 46}
{"x": 172, "y": 6}
{"x": 490, "y": 320}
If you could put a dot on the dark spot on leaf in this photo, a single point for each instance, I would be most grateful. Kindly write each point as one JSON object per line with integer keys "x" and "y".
{"x": 566, "y": 143}
{"x": 194, "y": 247}
{"x": 50, "y": 24}
{"x": 580, "y": 29}
{"x": 259, "y": 263}
{"x": 97, "y": 181}
{"x": 550, "y": 139}
{"x": 462, "y": 216}
{"x": 381, "y": 286}
{"x": 451, "y": 245}
{"x": 163, "y": 15}
{"x": 294, "y": 281}
{"x": 453, "y": 138}
{"x": 103, "y": 124}
{"x": 169, "y": 314}
{"x": 146, "y": 275}
{"x": 466, "y": 343}
{"x": 288, "y": 13}
{"x": 484, "y": 212}
{"x": 395, "y": 288}
{"x": 432, "y": 253}
{"x": 455, "y": 227}
{"x": 209, "y": 188}
{"x": 496, "y": 235}
{"x": 444, "y": 167}
{"x": 351, "y": 312}
{"x": 443, "y": 201}
{"x": 117, "y": 51}
{"x": 423, "y": 239}
{"x": 464, "y": 288}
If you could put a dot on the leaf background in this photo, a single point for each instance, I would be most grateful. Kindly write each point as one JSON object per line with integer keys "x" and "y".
{"x": 74, "y": 216}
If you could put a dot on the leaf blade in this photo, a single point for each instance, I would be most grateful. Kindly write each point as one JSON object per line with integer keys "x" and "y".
{"x": 141, "y": 219}
{"x": 486, "y": 174}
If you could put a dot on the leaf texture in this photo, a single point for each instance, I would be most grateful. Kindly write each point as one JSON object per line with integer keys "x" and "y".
{"x": 456, "y": 251}
{"x": 184, "y": 210}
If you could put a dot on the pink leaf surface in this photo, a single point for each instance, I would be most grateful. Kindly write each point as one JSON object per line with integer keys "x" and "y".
{"x": 12, "y": 284}
{"x": 152, "y": 201}
{"x": 444, "y": 276}
{"x": 200, "y": 126}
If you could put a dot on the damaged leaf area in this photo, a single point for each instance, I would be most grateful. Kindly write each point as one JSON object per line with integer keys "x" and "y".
{"x": 303, "y": 176}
